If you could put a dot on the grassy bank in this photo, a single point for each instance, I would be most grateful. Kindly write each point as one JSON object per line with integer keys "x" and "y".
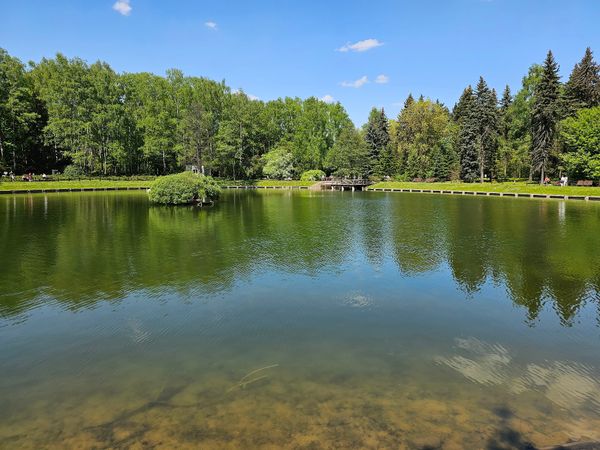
{"x": 75, "y": 184}
{"x": 124, "y": 183}
{"x": 266, "y": 183}
{"x": 515, "y": 188}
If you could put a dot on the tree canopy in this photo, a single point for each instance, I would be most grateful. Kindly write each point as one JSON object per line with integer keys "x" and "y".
{"x": 62, "y": 112}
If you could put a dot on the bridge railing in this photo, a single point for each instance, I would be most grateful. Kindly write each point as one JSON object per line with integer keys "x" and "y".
{"x": 347, "y": 181}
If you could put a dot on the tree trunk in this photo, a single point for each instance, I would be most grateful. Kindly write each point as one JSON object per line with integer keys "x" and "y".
{"x": 542, "y": 174}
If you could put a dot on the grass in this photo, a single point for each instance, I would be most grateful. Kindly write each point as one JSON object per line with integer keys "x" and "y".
{"x": 75, "y": 184}
{"x": 266, "y": 183}
{"x": 509, "y": 187}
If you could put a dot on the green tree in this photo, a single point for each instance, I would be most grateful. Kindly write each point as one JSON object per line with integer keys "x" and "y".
{"x": 583, "y": 88}
{"x": 377, "y": 137}
{"x": 466, "y": 115}
{"x": 545, "y": 115}
{"x": 279, "y": 162}
{"x": 349, "y": 155}
{"x": 425, "y": 141}
{"x": 487, "y": 125}
{"x": 516, "y": 148}
{"x": 22, "y": 117}
{"x": 580, "y": 136}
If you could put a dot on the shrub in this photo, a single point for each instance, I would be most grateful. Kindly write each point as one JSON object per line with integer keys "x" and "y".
{"x": 72, "y": 172}
{"x": 278, "y": 163}
{"x": 183, "y": 188}
{"x": 312, "y": 175}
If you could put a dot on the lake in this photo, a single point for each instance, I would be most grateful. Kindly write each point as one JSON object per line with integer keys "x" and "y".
{"x": 298, "y": 320}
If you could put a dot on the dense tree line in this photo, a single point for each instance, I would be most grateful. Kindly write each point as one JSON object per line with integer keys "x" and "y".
{"x": 64, "y": 112}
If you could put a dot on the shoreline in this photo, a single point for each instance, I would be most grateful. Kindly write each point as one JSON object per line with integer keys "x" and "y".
{"x": 474, "y": 193}
{"x": 489, "y": 194}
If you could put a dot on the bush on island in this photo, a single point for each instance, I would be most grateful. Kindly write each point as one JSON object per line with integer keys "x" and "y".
{"x": 312, "y": 175}
{"x": 183, "y": 188}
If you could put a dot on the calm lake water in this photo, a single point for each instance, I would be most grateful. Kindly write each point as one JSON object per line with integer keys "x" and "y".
{"x": 298, "y": 320}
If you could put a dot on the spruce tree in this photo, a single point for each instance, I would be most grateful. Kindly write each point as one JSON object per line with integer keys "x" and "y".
{"x": 377, "y": 136}
{"x": 459, "y": 108}
{"x": 545, "y": 115}
{"x": 465, "y": 113}
{"x": 505, "y": 103}
{"x": 409, "y": 101}
{"x": 583, "y": 88}
{"x": 487, "y": 125}
{"x": 388, "y": 163}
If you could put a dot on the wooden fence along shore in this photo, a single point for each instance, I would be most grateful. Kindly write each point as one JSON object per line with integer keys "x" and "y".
{"x": 489, "y": 194}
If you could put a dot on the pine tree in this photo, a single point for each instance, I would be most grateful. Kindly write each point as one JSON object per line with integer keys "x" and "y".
{"x": 388, "y": 163}
{"x": 465, "y": 113}
{"x": 409, "y": 101}
{"x": 545, "y": 115}
{"x": 583, "y": 88}
{"x": 377, "y": 136}
{"x": 505, "y": 103}
{"x": 459, "y": 109}
{"x": 487, "y": 125}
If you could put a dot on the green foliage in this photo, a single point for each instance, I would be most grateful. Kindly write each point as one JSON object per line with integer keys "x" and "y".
{"x": 514, "y": 158}
{"x": 466, "y": 116}
{"x": 377, "y": 137}
{"x": 312, "y": 175}
{"x": 486, "y": 119}
{"x": 583, "y": 88}
{"x": 183, "y": 188}
{"x": 349, "y": 156}
{"x": 545, "y": 115}
{"x": 72, "y": 172}
{"x": 424, "y": 136}
{"x": 279, "y": 162}
{"x": 580, "y": 136}
{"x": 21, "y": 118}
{"x": 64, "y": 111}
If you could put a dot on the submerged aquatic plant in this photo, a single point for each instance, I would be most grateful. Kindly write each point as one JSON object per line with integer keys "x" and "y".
{"x": 244, "y": 381}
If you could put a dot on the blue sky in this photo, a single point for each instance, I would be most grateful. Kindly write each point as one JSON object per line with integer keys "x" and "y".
{"x": 294, "y": 48}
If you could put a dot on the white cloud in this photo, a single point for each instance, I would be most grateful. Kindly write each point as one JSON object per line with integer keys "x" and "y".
{"x": 252, "y": 97}
{"x": 361, "y": 46}
{"x": 357, "y": 83}
{"x": 122, "y": 7}
{"x": 328, "y": 98}
{"x": 382, "y": 79}
{"x": 212, "y": 25}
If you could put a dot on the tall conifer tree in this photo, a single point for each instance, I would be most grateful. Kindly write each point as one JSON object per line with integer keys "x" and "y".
{"x": 465, "y": 113}
{"x": 545, "y": 115}
{"x": 459, "y": 109}
{"x": 505, "y": 103}
{"x": 583, "y": 88}
{"x": 377, "y": 136}
{"x": 487, "y": 125}
{"x": 409, "y": 101}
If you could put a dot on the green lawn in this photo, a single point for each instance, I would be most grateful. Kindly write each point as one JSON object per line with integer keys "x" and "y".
{"x": 26, "y": 185}
{"x": 517, "y": 187}
{"x": 266, "y": 183}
